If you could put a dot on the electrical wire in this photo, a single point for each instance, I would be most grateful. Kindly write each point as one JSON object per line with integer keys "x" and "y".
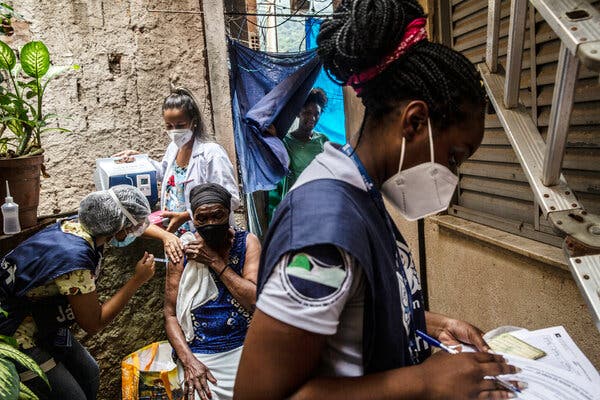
{"x": 306, "y": 33}
{"x": 289, "y": 17}
{"x": 296, "y": 17}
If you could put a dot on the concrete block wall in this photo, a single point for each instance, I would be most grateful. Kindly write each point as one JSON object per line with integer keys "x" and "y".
{"x": 128, "y": 57}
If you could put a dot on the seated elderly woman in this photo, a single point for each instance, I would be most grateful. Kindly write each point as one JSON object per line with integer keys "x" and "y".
{"x": 210, "y": 299}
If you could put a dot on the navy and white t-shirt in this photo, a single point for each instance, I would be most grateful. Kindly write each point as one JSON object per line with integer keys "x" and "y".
{"x": 321, "y": 289}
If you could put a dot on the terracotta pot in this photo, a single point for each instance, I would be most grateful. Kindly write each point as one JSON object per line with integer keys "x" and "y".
{"x": 23, "y": 176}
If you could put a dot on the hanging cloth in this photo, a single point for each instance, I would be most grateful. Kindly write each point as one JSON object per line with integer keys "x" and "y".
{"x": 267, "y": 88}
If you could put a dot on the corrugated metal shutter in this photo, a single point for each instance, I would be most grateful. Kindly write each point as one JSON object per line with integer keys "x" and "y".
{"x": 493, "y": 189}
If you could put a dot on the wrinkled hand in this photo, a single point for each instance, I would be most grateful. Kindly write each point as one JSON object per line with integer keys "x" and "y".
{"x": 126, "y": 155}
{"x": 173, "y": 247}
{"x": 199, "y": 251}
{"x": 461, "y": 376}
{"x": 455, "y": 332}
{"x": 176, "y": 219}
{"x": 196, "y": 377}
{"x": 144, "y": 269}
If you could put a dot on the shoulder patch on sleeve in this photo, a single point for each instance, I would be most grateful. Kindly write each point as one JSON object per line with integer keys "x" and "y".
{"x": 316, "y": 274}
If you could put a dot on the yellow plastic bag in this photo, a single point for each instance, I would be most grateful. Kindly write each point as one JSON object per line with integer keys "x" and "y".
{"x": 150, "y": 374}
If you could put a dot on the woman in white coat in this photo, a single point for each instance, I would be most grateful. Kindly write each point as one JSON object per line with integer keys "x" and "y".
{"x": 190, "y": 159}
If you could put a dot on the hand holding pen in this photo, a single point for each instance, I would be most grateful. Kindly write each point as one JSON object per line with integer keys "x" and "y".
{"x": 514, "y": 391}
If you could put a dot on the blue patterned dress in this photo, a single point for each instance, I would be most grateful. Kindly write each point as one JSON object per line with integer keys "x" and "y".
{"x": 175, "y": 196}
{"x": 220, "y": 325}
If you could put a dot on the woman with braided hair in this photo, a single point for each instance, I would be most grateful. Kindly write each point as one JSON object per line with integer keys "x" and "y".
{"x": 339, "y": 301}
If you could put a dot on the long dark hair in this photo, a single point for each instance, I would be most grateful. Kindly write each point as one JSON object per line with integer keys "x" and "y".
{"x": 182, "y": 99}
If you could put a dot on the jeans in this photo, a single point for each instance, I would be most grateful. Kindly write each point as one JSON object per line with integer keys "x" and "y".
{"x": 76, "y": 375}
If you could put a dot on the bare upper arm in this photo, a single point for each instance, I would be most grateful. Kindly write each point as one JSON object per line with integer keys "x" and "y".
{"x": 174, "y": 272}
{"x": 277, "y": 359}
{"x": 87, "y": 310}
{"x": 250, "y": 271}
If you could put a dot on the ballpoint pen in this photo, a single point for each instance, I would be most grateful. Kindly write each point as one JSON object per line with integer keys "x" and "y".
{"x": 436, "y": 343}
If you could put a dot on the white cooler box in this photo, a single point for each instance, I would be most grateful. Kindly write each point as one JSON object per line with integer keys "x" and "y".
{"x": 139, "y": 173}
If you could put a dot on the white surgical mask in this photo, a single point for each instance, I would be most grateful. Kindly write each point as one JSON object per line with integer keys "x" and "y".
{"x": 422, "y": 190}
{"x": 180, "y": 136}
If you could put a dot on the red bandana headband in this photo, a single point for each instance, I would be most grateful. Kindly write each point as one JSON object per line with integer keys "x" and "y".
{"x": 415, "y": 32}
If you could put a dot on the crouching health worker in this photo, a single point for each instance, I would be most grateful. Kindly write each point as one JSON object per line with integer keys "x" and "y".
{"x": 339, "y": 300}
{"x": 209, "y": 301}
{"x": 49, "y": 281}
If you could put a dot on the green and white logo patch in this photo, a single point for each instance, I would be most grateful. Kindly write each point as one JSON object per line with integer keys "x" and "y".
{"x": 316, "y": 274}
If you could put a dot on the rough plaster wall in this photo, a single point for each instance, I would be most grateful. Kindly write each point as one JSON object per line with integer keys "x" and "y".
{"x": 127, "y": 56}
{"x": 491, "y": 287}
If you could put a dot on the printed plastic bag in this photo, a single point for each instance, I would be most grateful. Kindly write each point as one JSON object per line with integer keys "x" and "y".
{"x": 150, "y": 374}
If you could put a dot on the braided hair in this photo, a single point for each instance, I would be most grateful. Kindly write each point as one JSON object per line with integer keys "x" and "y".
{"x": 362, "y": 32}
{"x": 183, "y": 99}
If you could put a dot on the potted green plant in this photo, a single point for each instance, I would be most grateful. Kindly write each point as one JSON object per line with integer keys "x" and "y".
{"x": 23, "y": 122}
{"x": 11, "y": 388}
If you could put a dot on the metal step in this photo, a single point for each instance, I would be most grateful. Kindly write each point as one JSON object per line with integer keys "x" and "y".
{"x": 557, "y": 202}
{"x": 577, "y": 24}
{"x": 586, "y": 272}
{"x": 529, "y": 148}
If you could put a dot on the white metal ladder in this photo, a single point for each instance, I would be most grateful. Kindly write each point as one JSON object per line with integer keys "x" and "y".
{"x": 577, "y": 25}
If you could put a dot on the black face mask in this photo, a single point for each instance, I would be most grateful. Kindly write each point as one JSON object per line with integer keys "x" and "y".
{"x": 215, "y": 235}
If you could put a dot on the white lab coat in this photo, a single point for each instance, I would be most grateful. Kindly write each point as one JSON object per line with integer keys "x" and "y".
{"x": 208, "y": 163}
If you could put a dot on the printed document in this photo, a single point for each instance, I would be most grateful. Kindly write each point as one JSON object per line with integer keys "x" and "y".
{"x": 546, "y": 382}
{"x": 564, "y": 373}
{"x": 561, "y": 351}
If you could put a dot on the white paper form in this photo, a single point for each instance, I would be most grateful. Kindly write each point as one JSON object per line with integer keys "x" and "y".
{"x": 561, "y": 350}
{"x": 546, "y": 382}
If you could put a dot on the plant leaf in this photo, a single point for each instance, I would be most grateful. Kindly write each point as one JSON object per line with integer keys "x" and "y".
{"x": 7, "y": 11}
{"x": 8, "y": 339}
{"x": 8, "y": 60}
{"x": 55, "y": 70}
{"x": 10, "y": 352}
{"x": 9, "y": 380}
{"x": 35, "y": 59}
{"x": 25, "y": 393}
{"x": 7, "y": 7}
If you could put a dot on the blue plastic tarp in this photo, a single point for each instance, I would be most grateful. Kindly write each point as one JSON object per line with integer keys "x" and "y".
{"x": 267, "y": 88}
{"x": 332, "y": 121}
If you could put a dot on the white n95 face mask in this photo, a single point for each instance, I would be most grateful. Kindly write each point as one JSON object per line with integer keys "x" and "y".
{"x": 180, "y": 136}
{"x": 422, "y": 190}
